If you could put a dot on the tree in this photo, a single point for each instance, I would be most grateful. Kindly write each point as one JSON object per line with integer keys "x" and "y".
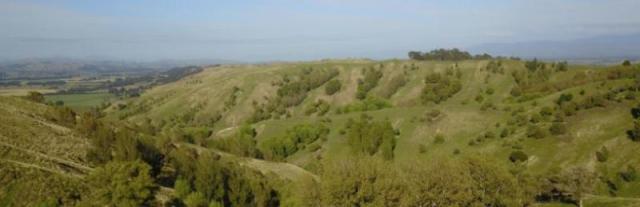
{"x": 121, "y": 184}
{"x": 333, "y": 87}
{"x": 626, "y": 63}
{"x": 35, "y": 97}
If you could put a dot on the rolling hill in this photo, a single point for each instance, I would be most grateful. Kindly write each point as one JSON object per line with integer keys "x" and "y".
{"x": 484, "y": 118}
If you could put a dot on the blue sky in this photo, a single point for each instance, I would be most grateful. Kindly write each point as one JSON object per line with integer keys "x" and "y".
{"x": 259, "y": 30}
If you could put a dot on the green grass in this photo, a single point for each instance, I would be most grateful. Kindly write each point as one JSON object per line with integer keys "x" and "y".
{"x": 81, "y": 102}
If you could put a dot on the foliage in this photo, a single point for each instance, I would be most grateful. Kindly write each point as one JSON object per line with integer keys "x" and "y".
{"x": 320, "y": 107}
{"x": 535, "y": 131}
{"x": 444, "y": 54}
{"x": 371, "y": 78}
{"x": 439, "y": 88}
{"x": 332, "y": 87}
{"x": 242, "y": 143}
{"x": 369, "y": 137}
{"x": 518, "y": 156}
{"x": 35, "y": 97}
{"x": 602, "y": 155}
{"x": 569, "y": 185}
{"x": 534, "y": 65}
{"x": 558, "y": 128}
{"x": 371, "y": 103}
{"x": 395, "y": 83}
{"x": 121, "y": 184}
{"x": 295, "y": 139}
{"x": 630, "y": 174}
{"x": 366, "y": 181}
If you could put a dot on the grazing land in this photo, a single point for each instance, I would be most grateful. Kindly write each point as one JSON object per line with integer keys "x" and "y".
{"x": 344, "y": 132}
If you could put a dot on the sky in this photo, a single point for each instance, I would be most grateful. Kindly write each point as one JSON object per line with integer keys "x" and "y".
{"x": 268, "y": 30}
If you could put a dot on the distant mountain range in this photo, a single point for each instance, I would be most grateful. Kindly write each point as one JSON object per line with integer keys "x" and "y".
{"x": 601, "y": 48}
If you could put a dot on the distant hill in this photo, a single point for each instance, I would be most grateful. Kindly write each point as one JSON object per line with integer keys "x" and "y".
{"x": 601, "y": 48}
{"x": 39, "y": 68}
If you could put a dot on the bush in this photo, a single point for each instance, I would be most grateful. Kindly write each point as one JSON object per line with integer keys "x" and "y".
{"x": 242, "y": 143}
{"x": 439, "y": 88}
{"x": 333, "y": 87}
{"x": 518, "y": 156}
{"x": 422, "y": 148}
{"x": 534, "y": 131}
{"x": 370, "y": 137}
{"x": 35, "y": 97}
{"x": 295, "y": 139}
{"x": 516, "y": 91}
{"x": 626, "y": 63}
{"x": 370, "y": 103}
{"x": 603, "y": 154}
{"x": 630, "y": 174}
{"x": 121, "y": 184}
{"x": 195, "y": 199}
{"x": 558, "y": 128}
{"x": 395, "y": 84}
{"x": 438, "y": 139}
{"x": 370, "y": 81}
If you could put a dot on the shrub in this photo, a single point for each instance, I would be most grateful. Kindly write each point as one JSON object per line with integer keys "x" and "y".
{"x": 504, "y": 133}
{"x": 395, "y": 84}
{"x": 369, "y": 137}
{"x": 438, "y": 139}
{"x": 565, "y": 97}
{"x": 121, "y": 184}
{"x": 370, "y": 103}
{"x": 630, "y": 174}
{"x": 439, "y": 88}
{"x": 518, "y": 156}
{"x": 558, "y": 128}
{"x": 634, "y": 134}
{"x": 603, "y": 154}
{"x": 295, "y": 139}
{"x": 35, "y": 97}
{"x": 626, "y": 63}
{"x": 333, "y": 87}
{"x": 370, "y": 81}
{"x": 534, "y": 131}
{"x": 489, "y": 91}
{"x": 516, "y": 91}
{"x": 422, "y": 148}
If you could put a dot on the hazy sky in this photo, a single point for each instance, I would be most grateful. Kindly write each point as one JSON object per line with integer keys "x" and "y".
{"x": 257, "y": 30}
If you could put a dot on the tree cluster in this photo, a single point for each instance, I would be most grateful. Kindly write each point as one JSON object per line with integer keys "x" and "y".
{"x": 439, "y": 88}
{"x": 295, "y": 139}
{"x": 368, "y": 136}
{"x": 445, "y": 54}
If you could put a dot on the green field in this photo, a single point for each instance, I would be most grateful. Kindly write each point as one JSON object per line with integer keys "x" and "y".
{"x": 81, "y": 101}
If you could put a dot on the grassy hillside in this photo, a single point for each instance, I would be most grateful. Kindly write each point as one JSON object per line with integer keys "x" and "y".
{"x": 501, "y": 107}
{"x": 41, "y": 160}
{"x": 339, "y": 132}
